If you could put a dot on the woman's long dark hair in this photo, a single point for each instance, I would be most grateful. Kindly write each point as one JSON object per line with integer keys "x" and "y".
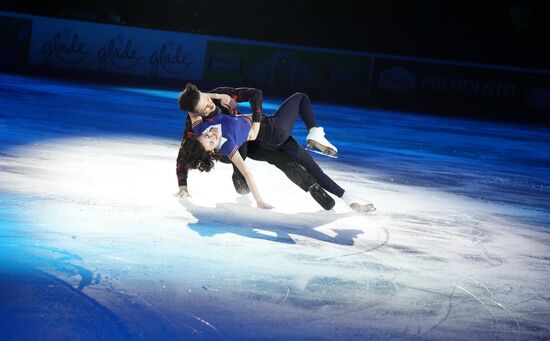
{"x": 196, "y": 157}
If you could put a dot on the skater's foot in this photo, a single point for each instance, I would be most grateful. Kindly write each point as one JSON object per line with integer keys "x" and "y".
{"x": 244, "y": 199}
{"x": 357, "y": 204}
{"x": 321, "y": 196}
{"x": 316, "y": 139}
{"x": 362, "y": 207}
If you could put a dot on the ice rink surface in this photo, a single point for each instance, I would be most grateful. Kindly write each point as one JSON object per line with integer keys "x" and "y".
{"x": 93, "y": 244}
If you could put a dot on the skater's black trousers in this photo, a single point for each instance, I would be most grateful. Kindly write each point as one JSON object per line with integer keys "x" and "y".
{"x": 286, "y": 163}
{"x": 296, "y": 163}
{"x": 275, "y": 129}
{"x": 275, "y": 132}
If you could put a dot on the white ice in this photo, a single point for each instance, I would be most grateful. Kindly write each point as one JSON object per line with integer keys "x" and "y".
{"x": 425, "y": 263}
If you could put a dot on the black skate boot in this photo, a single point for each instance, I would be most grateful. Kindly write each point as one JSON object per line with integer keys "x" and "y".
{"x": 321, "y": 196}
{"x": 240, "y": 184}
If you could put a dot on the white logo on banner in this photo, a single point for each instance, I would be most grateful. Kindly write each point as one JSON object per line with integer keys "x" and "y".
{"x": 64, "y": 47}
{"x": 119, "y": 53}
{"x": 170, "y": 58}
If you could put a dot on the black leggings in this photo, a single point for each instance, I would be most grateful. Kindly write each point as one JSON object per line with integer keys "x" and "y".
{"x": 293, "y": 160}
{"x": 275, "y": 136}
{"x": 286, "y": 163}
{"x": 275, "y": 129}
{"x": 294, "y": 149}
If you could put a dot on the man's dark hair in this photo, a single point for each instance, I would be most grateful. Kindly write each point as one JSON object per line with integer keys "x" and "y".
{"x": 196, "y": 157}
{"x": 189, "y": 97}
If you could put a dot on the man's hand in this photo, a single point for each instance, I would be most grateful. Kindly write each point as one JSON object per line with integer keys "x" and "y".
{"x": 227, "y": 102}
{"x": 253, "y": 131}
{"x": 182, "y": 193}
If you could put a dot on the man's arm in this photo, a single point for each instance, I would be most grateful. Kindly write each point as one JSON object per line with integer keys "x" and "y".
{"x": 252, "y": 95}
{"x": 181, "y": 171}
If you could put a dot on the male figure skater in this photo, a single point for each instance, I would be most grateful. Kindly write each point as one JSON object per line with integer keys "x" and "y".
{"x": 223, "y": 101}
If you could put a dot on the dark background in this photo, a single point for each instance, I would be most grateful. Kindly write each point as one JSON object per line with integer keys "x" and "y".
{"x": 514, "y": 33}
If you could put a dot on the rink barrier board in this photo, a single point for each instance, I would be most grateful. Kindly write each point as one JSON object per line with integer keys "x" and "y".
{"x": 386, "y": 81}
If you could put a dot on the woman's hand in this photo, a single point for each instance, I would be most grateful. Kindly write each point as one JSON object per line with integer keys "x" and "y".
{"x": 264, "y": 205}
{"x": 182, "y": 193}
{"x": 227, "y": 102}
{"x": 253, "y": 131}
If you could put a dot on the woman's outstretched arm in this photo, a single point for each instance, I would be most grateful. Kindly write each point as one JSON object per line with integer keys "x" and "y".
{"x": 245, "y": 171}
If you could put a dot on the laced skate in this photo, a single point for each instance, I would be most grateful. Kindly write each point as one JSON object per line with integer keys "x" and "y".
{"x": 357, "y": 204}
{"x": 316, "y": 141}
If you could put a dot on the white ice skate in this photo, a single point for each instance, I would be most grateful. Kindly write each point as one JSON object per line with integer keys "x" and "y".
{"x": 316, "y": 142}
{"x": 357, "y": 204}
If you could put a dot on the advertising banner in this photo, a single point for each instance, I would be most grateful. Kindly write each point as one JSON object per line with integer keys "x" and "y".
{"x": 116, "y": 49}
{"x": 15, "y": 37}
{"x": 402, "y": 83}
{"x": 454, "y": 88}
{"x": 284, "y": 69}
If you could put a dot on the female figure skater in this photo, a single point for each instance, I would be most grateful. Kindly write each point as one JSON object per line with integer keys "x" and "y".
{"x": 222, "y": 135}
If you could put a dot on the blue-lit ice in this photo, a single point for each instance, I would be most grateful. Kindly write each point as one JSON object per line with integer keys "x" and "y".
{"x": 457, "y": 249}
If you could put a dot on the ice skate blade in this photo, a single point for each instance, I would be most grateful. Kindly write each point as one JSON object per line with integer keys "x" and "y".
{"x": 362, "y": 208}
{"x": 320, "y": 149}
{"x": 321, "y": 153}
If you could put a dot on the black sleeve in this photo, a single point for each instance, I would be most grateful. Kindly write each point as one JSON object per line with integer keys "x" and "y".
{"x": 181, "y": 171}
{"x": 252, "y": 95}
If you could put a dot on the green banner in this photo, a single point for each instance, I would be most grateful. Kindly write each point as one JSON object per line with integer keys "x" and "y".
{"x": 338, "y": 76}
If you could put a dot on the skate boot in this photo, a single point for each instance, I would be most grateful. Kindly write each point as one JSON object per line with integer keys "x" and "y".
{"x": 316, "y": 139}
{"x": 239, "y": 182}
{"x": 357, "y": 204}
{"x": 321, "y": 196}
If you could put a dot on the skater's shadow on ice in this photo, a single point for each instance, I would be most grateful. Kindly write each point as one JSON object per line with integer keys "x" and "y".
{"x": 234, "y": 218}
